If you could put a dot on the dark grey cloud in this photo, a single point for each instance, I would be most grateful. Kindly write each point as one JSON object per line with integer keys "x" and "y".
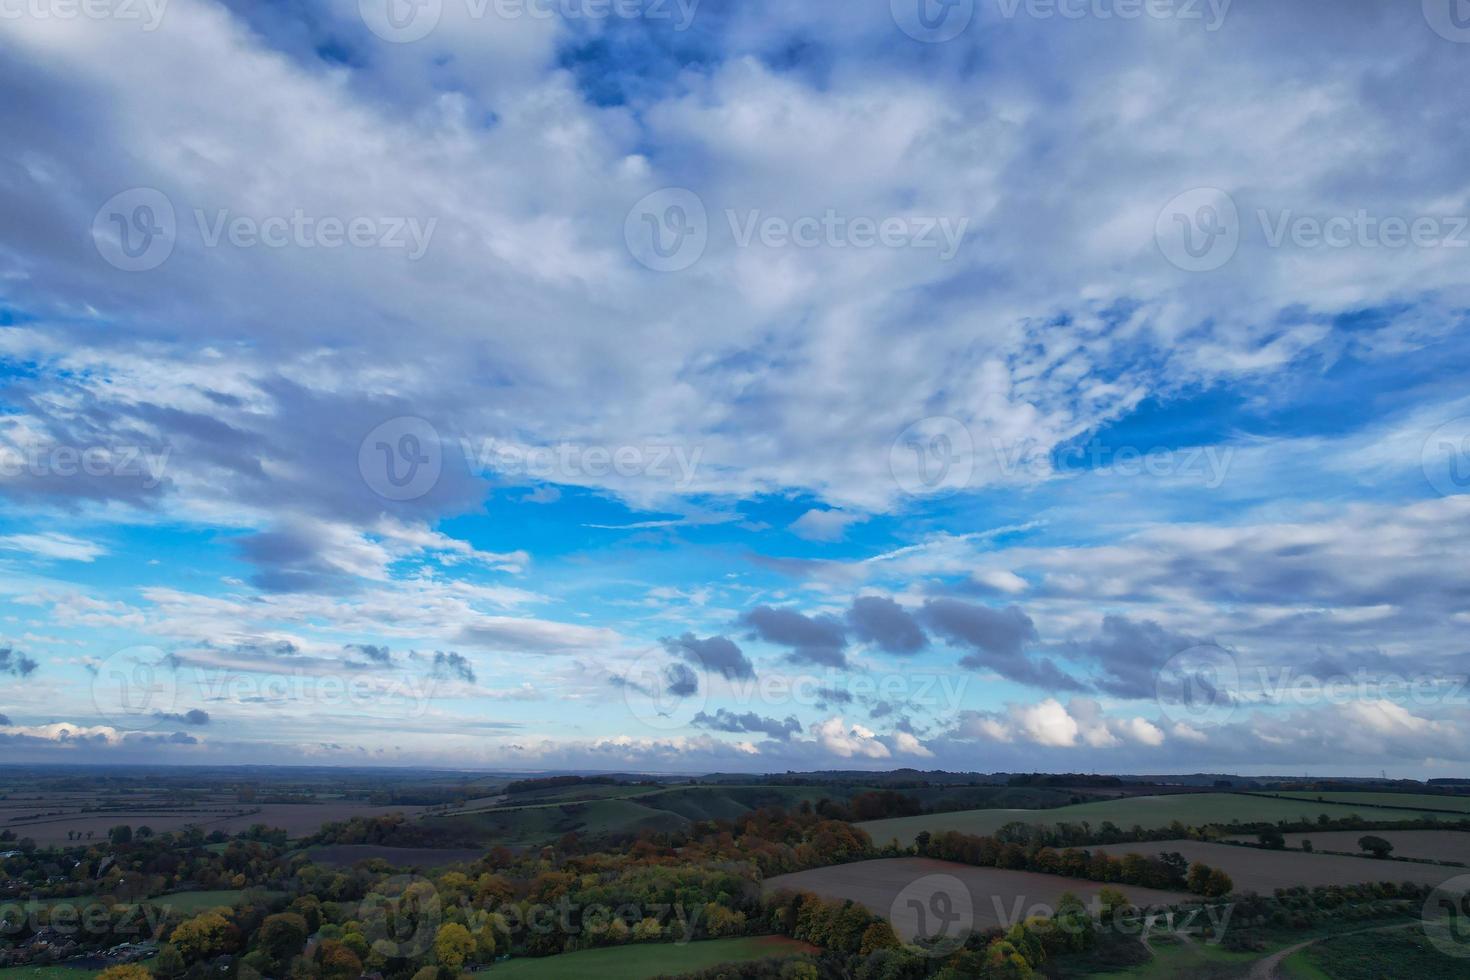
{"x": 377, "y": 654}
{"x": 453, "y": 664}
{"x": 15, "y": 663}
{"x": 885, "y": 624}
{"x": 724, "y": 720}
{"x": 996, "y": 640}
{"x": 291, "y": 559}
{"x": 832, "y": 695}
{"x": 1130, "y": 652}
{"x": 194, "y": 716}
{"x": 174, "y": 738}
{"x": 818, "y": 640}
{"x": 717, "y": 654}
{"x": 682, "y": 682}
{"x": 4, "y": 720}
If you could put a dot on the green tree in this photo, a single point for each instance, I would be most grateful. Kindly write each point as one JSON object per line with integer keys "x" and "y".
{"x": 1219, "y": 885}
{"x": 1376, "y": 846}
{"x": 169, "y": 962}
{"x": 282, "y": 935}
{"x": 1198, "y": 880}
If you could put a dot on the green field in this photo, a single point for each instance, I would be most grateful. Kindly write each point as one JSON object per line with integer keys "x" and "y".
{"x": 45, "y": 973}
{"x": 543, "y": 823}
{"x": 1174, "y": 959}
{"x": 1371, "y": 955}
{"x": 645, "y": 960}
{"x": 1428, "y": 801}
{"x": 192, "y": 902}
{"x": 1190, "y": 809}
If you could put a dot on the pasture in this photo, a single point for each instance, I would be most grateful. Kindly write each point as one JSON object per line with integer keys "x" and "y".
{"x": 1426, "y": 801}
{"x": 639, "y": 962}
{"x": 1149, "y": 812}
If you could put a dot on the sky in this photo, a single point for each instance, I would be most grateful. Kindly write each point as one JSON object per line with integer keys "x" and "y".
{"x": 676, "y": 386}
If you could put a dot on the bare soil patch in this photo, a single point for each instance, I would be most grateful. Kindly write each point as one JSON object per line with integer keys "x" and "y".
{"x": 1262, "y": 871}
{"x": 908, "y": 889}
{"x": 1429, "y": 845}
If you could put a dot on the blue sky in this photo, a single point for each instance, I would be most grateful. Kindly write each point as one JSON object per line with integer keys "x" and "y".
{"x": 690, "y": 387}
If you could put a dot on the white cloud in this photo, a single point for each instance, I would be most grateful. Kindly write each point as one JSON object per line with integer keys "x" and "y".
{"x": 825, "y": 525}
{"x": 846, "y": 741}
{"x": 52, "y": 545}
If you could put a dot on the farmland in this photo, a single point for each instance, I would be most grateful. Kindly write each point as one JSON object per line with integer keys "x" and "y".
{"x": 1259, "y": 870}
{"x": 83, "y": 817}
{"x": 1149, "y": 812}
{"x": 1426, "y": 801}
{"x": 997, "y": 897}
{"x": 645, "y": 960}
{"x": 1424, "y": 845}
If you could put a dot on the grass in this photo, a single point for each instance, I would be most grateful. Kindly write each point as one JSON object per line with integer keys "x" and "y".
{"x": 1371, "y": 955}
{"x": 1190, "y": 809}
{"x": 1196, "y": 961}
{"x": 642, "y": 961}
{"x": 1428, "y": 801}
{"x": 45, "y": 973}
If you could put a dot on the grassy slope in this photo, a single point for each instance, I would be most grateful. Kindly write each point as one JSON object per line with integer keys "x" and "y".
{"x": 540, "y": 824}
{"x": 642, "y": 961}
{"x": 1145, "y": 811}
{"x": 627, "y": 809}
{"x": 1428, "y": 801}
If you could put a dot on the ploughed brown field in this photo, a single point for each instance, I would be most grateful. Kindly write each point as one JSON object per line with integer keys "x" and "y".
{"x": 914, "y": 893}
{"x": 1256, "y": 870}
{"x": 1431, "y": 845}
